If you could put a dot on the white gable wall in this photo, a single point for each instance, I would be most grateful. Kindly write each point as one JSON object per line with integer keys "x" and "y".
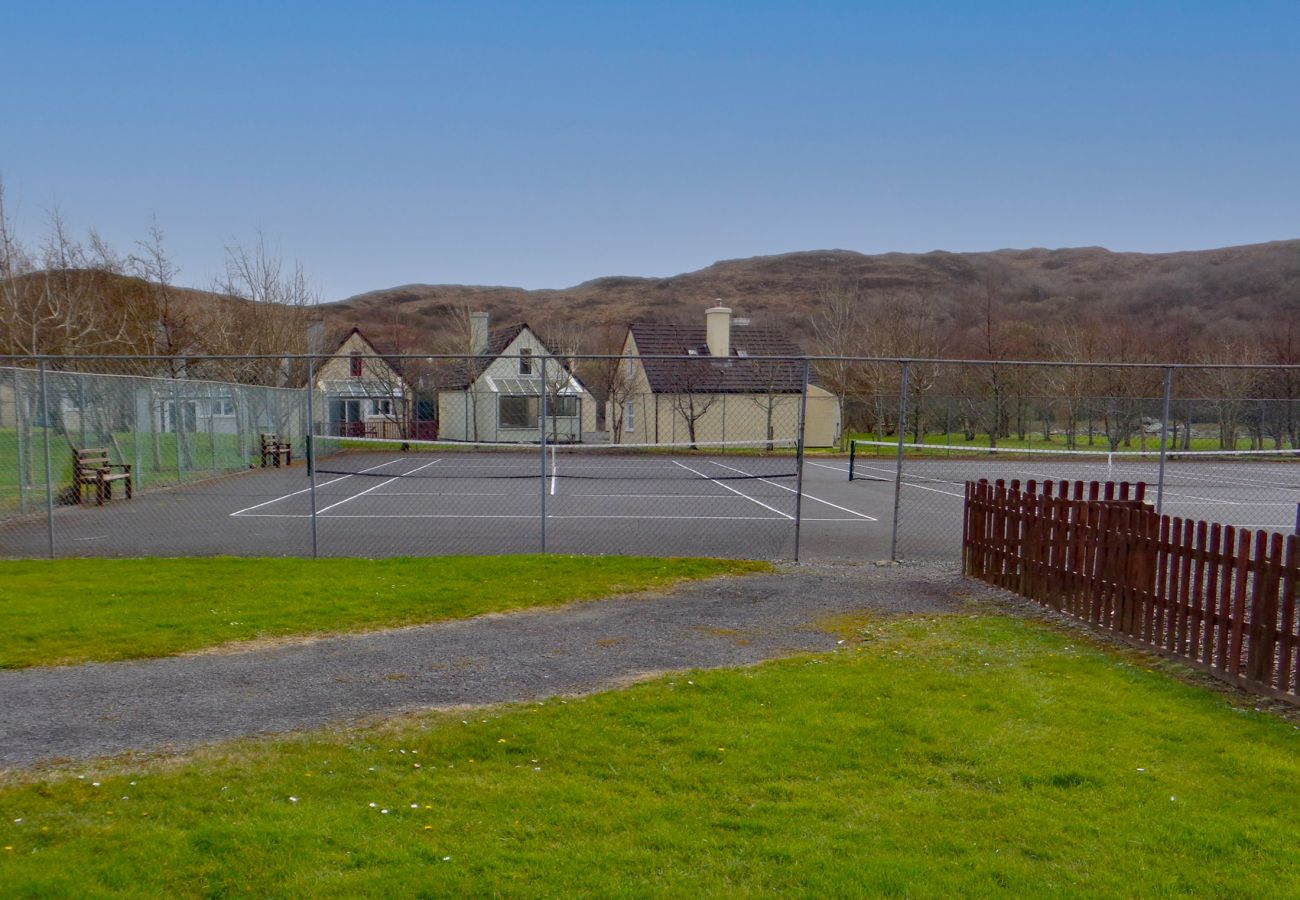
{"x": 460, "y": 411}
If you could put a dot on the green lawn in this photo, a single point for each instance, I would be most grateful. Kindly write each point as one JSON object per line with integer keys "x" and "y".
{"x": 202, "y": 456}
{"x": 949, "y": 756}
{"x": 76, "y": 610}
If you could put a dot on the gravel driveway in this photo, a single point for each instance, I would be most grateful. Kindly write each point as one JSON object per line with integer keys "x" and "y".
{"x": 79, "y": 712}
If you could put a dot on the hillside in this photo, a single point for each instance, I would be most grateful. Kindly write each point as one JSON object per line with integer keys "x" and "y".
{"x": 1187, "y": 297}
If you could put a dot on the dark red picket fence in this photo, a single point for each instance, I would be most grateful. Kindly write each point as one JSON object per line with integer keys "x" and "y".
{"x": 1220, "y": 598}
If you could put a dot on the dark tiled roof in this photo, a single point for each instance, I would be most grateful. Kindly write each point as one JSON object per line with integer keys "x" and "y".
{"x": 703, "y": 373}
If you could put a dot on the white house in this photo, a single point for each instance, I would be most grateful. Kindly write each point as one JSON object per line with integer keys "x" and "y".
{"x": 363, "y": 393}
{"x": 496, "y": 396}
{"x": 723, "y": 380}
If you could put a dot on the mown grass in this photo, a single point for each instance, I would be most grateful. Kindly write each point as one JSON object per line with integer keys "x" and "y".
{"x": 203, "y": 456}
{"x": 78, "y": 610}
{"x": 953, "y": 756}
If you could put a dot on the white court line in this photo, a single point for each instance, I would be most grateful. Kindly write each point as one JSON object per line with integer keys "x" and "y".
{"x": 805, "y": 493}
{"x": 376, "y": 487}
{"x": 533, "y": 517}
{"x": 733, "y": 490}
{"x": 919, "y": 487}
{"x": 321, "y": 485}
{"x": 654, "y": 496}
{"x": 448, "y": 494}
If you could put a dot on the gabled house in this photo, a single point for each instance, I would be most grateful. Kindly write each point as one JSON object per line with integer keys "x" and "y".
{"x": 362, "y": 391}
{"x": 716, "y": 387}
{"x": 496, "y": 396}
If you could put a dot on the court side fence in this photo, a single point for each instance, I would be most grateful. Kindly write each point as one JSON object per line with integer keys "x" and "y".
{"x": 771, "y": 457}
{"x": 1220, "y": 598}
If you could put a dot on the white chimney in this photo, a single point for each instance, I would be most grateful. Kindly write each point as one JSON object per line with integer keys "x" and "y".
{"x": 478, "y": 333}
{"x": 315, "y": 337}
{"x": 717, "y": 330}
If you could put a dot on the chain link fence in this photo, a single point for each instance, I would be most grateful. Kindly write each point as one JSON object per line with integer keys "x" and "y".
{"x": 777, "y": 458}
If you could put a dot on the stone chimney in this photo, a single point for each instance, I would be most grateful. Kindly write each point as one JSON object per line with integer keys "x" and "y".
{"x": 717, "y": 330}
{"x": 478, "y": 333}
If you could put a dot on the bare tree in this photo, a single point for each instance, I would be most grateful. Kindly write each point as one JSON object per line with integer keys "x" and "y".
{"x": 264, "y": 310}
{"x": 173, "y": 333}
{"x": 693, "y": 390}
{"x": 840, "y": 330}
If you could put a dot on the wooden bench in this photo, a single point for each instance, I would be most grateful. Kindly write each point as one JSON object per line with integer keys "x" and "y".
{"x": 277, "y": 451}
{"x": 92, "y": 467}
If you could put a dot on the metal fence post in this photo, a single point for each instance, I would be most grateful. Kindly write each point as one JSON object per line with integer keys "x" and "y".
{"x": 542, "y": 444}
{"x": 798, "y": 477}
{"x": 898, "y": 471}
{"x": 176, "y": 430}
{"x": 23, "y": 447}
{"x": 49, "y": 468}
{"x": 311, "y": 452}
{"x": 1164, "y": 438}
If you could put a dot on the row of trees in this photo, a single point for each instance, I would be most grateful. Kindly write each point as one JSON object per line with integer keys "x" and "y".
{"x": 997, "y": 401}
{"x": 64, "y": 295}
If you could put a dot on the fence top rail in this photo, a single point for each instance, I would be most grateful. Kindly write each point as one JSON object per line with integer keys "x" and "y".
{"x": 896, "y": 360}
{"x": 242, "y": 385}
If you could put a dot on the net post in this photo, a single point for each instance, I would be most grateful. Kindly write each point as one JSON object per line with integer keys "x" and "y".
{"x": 898, "y": 470}
{"x": 542, "y": 443}
{"x": 49, "y": 467}
{"x": 1164, "y": 438}
{"x": 311, "y": 452}
{"x": 798, "y": 477}
{"x": 853, "y": 456}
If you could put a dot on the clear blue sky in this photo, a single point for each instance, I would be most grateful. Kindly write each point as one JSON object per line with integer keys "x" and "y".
{"x": 541, "y": 144}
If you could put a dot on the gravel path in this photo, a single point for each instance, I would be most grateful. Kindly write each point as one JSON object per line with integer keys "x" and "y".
{"x": 80, "y": 712}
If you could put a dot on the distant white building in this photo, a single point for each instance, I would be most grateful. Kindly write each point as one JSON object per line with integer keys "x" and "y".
{"x": 363, "y": 392}
{"x": 497, "y": 397}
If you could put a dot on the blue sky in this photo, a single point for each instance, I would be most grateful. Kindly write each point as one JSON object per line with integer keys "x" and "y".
{"x": 541, "y": 144}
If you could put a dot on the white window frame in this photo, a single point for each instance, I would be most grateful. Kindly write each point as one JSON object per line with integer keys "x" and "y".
{"x": 629, "y": 417}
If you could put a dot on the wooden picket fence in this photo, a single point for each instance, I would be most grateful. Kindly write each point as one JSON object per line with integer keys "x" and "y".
{"x": 1220, "y": 598}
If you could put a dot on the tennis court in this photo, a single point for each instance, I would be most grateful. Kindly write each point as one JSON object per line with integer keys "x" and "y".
{"x": 379, "y": 498}
{"x": 1246, "y": 489}
{"x": 422, "y": 499}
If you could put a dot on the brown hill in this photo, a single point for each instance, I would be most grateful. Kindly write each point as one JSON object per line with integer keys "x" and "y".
{"x": 1178, "y": 303}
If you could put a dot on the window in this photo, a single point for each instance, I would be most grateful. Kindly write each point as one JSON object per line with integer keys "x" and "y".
{"x": 631, "y": 367}
{"x": 525, "y": 361}
{"x": 355, "y": 368}
{"x": 223, "y": 407}
{"x": 381, "y": 407}
{"x": 560, "y": 407}
{"x": 519, "y": 412}
{"x": 629, "y": 416}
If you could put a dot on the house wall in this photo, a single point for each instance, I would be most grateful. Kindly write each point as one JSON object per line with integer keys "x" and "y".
{"x": 374, "y": 369}
{"x": 660, "y": 419}
{"x": 457, "y": 410}
{"x": 8, "y": 405}
{"x": 822, "y": 425}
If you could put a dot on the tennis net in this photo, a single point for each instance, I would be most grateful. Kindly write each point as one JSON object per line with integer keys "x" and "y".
{"x": 1275, "y": 470}
{"x": 715, "y": 461}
